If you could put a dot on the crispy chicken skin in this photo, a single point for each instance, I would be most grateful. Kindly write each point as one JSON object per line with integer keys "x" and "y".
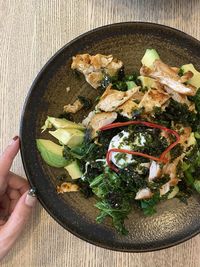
{"x": 94, "y": 67}
{"x": 67, "y": 187}
{"x": 73, "y": 108}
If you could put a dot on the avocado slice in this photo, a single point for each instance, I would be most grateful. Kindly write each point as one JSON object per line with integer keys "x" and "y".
{"x": 195, "y": 80}
{"x": 131, "y": 85}
{"x": 174, "y": 192}
{"x": 69, "y": 137}
{"x": 74, "y": 170}
{"x": 146, "y": 81}
{"x": 61, "y": 123}
{"x": 51, "y": 153}
{"x": 149, "y": 57}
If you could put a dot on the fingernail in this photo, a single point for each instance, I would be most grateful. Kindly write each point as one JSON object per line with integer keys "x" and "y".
{"x": 14, "y": 140}
{"x": 31, "y": 199}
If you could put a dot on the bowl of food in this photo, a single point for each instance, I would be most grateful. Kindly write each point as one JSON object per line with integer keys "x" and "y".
{"x": 110, "y": 136}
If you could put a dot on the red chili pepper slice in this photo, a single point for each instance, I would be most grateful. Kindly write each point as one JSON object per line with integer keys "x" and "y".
{"x": 162, "y": 158}
{"x": 110, "y": 151}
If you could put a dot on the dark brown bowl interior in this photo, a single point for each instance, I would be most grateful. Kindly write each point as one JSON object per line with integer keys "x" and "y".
{"x": 174, "y": 221}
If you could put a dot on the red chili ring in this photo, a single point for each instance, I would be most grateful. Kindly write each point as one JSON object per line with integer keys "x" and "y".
{"x": 162, "y": 157}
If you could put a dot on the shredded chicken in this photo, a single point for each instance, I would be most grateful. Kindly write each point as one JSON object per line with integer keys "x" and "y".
{"x": 178, "y": 97}
{"x": 67, "y": 187}
{"x": 112, "y": 99}
{"x": 153, "y": 98}
{"x": 73, "y": 108}
{"x": 144, "y": 193}
{"x": 101, "y": 119}
{"x": 171, "y": 169}
{"x": 167, "y": 76}
{"x": 154, "y": 171}
{"x": 94, "y": 67}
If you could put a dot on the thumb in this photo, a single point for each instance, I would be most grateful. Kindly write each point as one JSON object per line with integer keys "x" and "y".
{"x": 15, "y": 224}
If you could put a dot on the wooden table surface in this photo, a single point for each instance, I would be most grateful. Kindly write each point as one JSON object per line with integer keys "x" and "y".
{"x": 31, "y": 32}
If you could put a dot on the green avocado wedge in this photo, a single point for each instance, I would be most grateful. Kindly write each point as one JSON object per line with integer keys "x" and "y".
{"x": 146, "y": 81}
{"x": 195, "y": 80}
{"x": 51, "y": 153}
{"x": 74, "y": 170}
{"x": 61, "y": 124}
{"x": 69, "y": 137}
{"x": 149, "y": 57}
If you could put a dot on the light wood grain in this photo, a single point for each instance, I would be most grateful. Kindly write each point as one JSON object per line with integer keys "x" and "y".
{"x": 30, "y": 33}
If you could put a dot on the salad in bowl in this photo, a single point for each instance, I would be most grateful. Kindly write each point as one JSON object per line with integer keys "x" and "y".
{"x": 140, "y": 141}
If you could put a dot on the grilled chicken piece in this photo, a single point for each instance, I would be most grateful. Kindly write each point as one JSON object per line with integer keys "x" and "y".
{"x": 144, "y": 193}
{"x": 170, "y": 169}
{"x": 127, "y": 108}
{"x": 73, "y": 108}
{"x": 112, "y": 99}
{"x": 154, "y": 171}
{"x": 177, "y": 97}
{"x": 87, "y": 120}
{"x": 94, "y": 67}
{"x": 153, "y": 98}
{"x": 67, "y": 187}
{"x": 101, "y": 119}
{"x": 167, "y": 76}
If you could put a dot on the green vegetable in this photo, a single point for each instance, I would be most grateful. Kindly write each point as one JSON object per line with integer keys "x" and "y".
{"x": 195, "y": 80}
{"x": 146, "y": 82}
{"x": 176, "y": 112}
{"x": 176, "y": 152}
{"x": 149, "y": 57}
{"x": 191, "y": 167}
{"x": 59, "y": 123}
{"x": 118, "y": 215}
{"x": 131, "y": 85}
{"x": 74, "y": 170}
{"x": 51, "y": 153}
{"x": 197, "y": 185}
{"x": 69, "y": 137}
{"x": 173, "y": 193}
{"x": 196, "y": 100}
{"x": 148, "y": 205}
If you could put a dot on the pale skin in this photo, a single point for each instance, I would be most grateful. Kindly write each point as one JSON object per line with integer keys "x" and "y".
{"x": 16, "y": 203}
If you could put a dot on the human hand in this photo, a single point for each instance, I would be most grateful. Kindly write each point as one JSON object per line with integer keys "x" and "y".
{"x": 16, "y": 202}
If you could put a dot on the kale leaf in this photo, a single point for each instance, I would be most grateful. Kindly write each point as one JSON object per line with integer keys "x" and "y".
{"x": 177, "y": 112}
{"x": 118, "y": 215}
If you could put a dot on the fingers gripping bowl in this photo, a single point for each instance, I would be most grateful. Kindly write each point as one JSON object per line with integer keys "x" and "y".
{"x": 174, "y": 221}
